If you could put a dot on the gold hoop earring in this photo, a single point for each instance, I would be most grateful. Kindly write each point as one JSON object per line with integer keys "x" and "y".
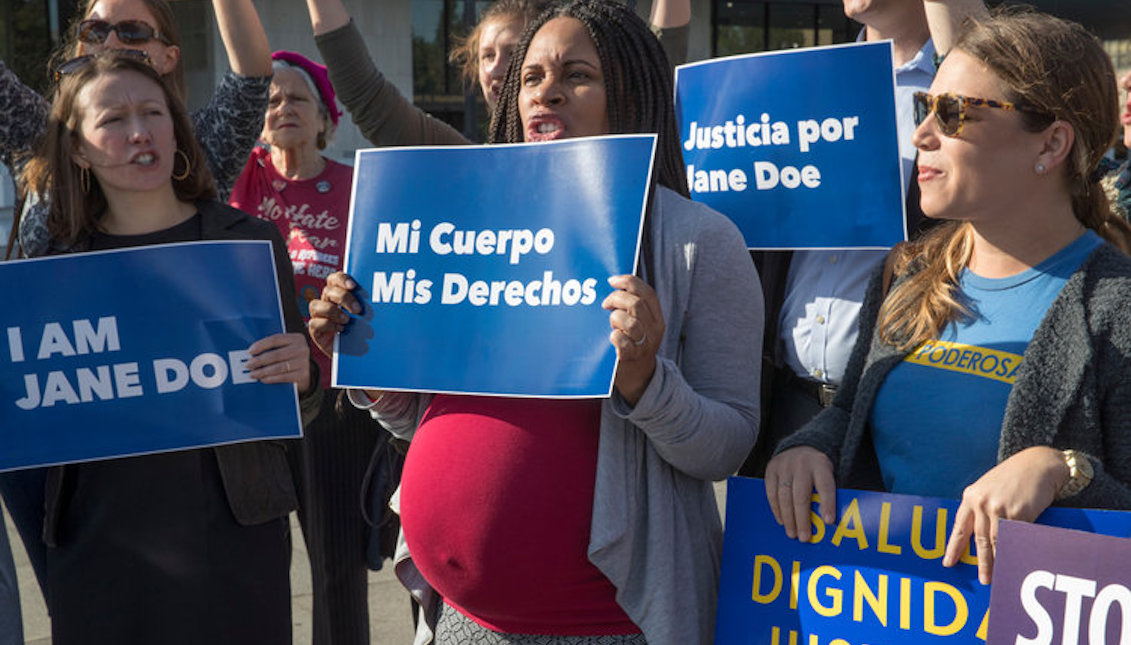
{"x": 84, "y": 179}
{"x": 188, "y": 166}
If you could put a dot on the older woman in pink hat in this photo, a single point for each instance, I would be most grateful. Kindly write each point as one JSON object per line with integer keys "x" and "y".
{"x": 289, "y": 182}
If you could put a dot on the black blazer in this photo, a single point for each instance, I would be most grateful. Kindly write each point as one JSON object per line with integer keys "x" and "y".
{"x": 256, "y": 475}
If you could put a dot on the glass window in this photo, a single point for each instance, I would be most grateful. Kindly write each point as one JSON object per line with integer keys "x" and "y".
{"x": 438, "y": 86}
{"x": 747, "y": 26}
{"x": 791, "y": 26}
{"x": 740, "y": 27}
{"x": 25, "y": 40}
{"x": 833, "y": 26}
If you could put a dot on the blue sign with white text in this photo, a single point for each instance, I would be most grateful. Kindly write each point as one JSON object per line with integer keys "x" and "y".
{"x": 798, "y": 147}
{"x": 138, "y": 351}
{"x": 872, "y": 576}
{"x": 482, "y": 269}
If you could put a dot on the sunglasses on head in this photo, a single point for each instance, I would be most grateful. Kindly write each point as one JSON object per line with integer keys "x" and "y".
{"x": 130, "y": 32}
{"x": 950, "y": 110}
{"x": 79, "y": 62}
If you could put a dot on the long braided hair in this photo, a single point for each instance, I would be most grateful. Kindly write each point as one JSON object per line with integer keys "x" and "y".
{"x": 638, "y": 90}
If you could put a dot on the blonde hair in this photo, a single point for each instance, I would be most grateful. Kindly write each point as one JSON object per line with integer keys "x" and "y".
{"x": 1055, "y": 70}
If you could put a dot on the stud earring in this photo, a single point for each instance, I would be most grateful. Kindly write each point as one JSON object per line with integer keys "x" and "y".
{"x": 1040, "y": 168}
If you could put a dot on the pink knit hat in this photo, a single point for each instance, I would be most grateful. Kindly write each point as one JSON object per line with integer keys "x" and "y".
{"x": 317, "y": 74}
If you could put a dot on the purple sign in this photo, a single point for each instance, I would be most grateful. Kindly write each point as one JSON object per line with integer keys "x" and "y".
{"x": 1054, "y": 585}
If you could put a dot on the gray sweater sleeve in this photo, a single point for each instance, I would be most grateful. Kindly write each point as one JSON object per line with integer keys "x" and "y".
{"x": 700, "y": 410}
{"x": 384, "y": 116}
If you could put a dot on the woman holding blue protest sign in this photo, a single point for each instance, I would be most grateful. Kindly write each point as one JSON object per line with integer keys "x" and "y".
{"x": 995, "y": 366}
{"x": 226, "y": 128}
{"x": 586, "y": 521}
{"x": 195, "y": 542}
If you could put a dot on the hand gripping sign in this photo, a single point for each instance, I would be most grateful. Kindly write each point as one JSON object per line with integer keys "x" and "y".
{"x": 482, "y": 269}
{"x": 137, "y": 351}
{"x": 873, "y": 576}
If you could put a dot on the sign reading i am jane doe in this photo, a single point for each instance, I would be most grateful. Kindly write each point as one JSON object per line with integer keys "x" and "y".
{"x": 874, "y": 576}
{"x": 137, "y": 351}
{"x": 482, "y": 269}
{"x": 798, "y": 147}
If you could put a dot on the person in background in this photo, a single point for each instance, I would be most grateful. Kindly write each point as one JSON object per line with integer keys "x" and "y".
{"x": 624, "y": 547}
{"x": 183, "y": 547}
{"x": 289, "y": 182}
{"x": 1027, "y": 269}
{"x": 226, "y": 127}
{"x": 386, "y": 118}
{"x": 813, "y": 298}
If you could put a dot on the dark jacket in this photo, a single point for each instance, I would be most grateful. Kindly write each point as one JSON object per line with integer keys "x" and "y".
{"x": 256, "y": 476}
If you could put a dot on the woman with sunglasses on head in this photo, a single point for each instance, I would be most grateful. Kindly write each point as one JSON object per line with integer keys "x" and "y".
{"x": 1011, "y": 313}
{"x": 574, "y": 522}
{"x": 226, "y": 127}
{"x": 184, "y": 547}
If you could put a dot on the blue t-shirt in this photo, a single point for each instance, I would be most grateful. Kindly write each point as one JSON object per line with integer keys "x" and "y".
{"x": 936, "y": 420}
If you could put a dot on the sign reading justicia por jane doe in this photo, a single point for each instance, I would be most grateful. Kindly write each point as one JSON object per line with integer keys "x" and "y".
{"x": 482, "y": 269}
{"x": 136, "y": 351}
{"x": 798, "y": 147}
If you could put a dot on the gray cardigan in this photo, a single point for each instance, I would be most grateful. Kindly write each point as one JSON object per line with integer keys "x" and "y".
{"x": 656, "y": 531}
{"x": 1072, "y": 391}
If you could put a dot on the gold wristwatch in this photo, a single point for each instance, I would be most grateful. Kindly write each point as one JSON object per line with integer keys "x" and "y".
{"x": 1080, "y": 473}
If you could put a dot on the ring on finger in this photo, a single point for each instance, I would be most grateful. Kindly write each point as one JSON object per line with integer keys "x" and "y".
{"x": 786, "y": 484}
{"x": 287, "y": 367}
{"x": 643, "y": 339}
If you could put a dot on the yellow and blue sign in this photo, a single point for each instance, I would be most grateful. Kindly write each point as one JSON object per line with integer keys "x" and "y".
{"x": 873, "y": 576}
{"x": 138, "y": 351}
{"x": 482, "y": 269}
{"x": 798, "y": 147}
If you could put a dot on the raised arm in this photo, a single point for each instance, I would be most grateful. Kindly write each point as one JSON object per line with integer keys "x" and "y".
{"x": 671, "y": 22}
{"x": 327, "y": 15}
{"x": 384, "y": 116}
{"x": 243, "y": 36}
{"x": 945, "y": 18}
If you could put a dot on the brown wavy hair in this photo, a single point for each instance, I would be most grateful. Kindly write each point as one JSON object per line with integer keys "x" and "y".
{"x": 1057, "y": 71}
{"x": 51, "y": 172}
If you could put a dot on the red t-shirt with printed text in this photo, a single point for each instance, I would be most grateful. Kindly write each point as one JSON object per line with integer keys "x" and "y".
{"x": 311, "y": 215}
